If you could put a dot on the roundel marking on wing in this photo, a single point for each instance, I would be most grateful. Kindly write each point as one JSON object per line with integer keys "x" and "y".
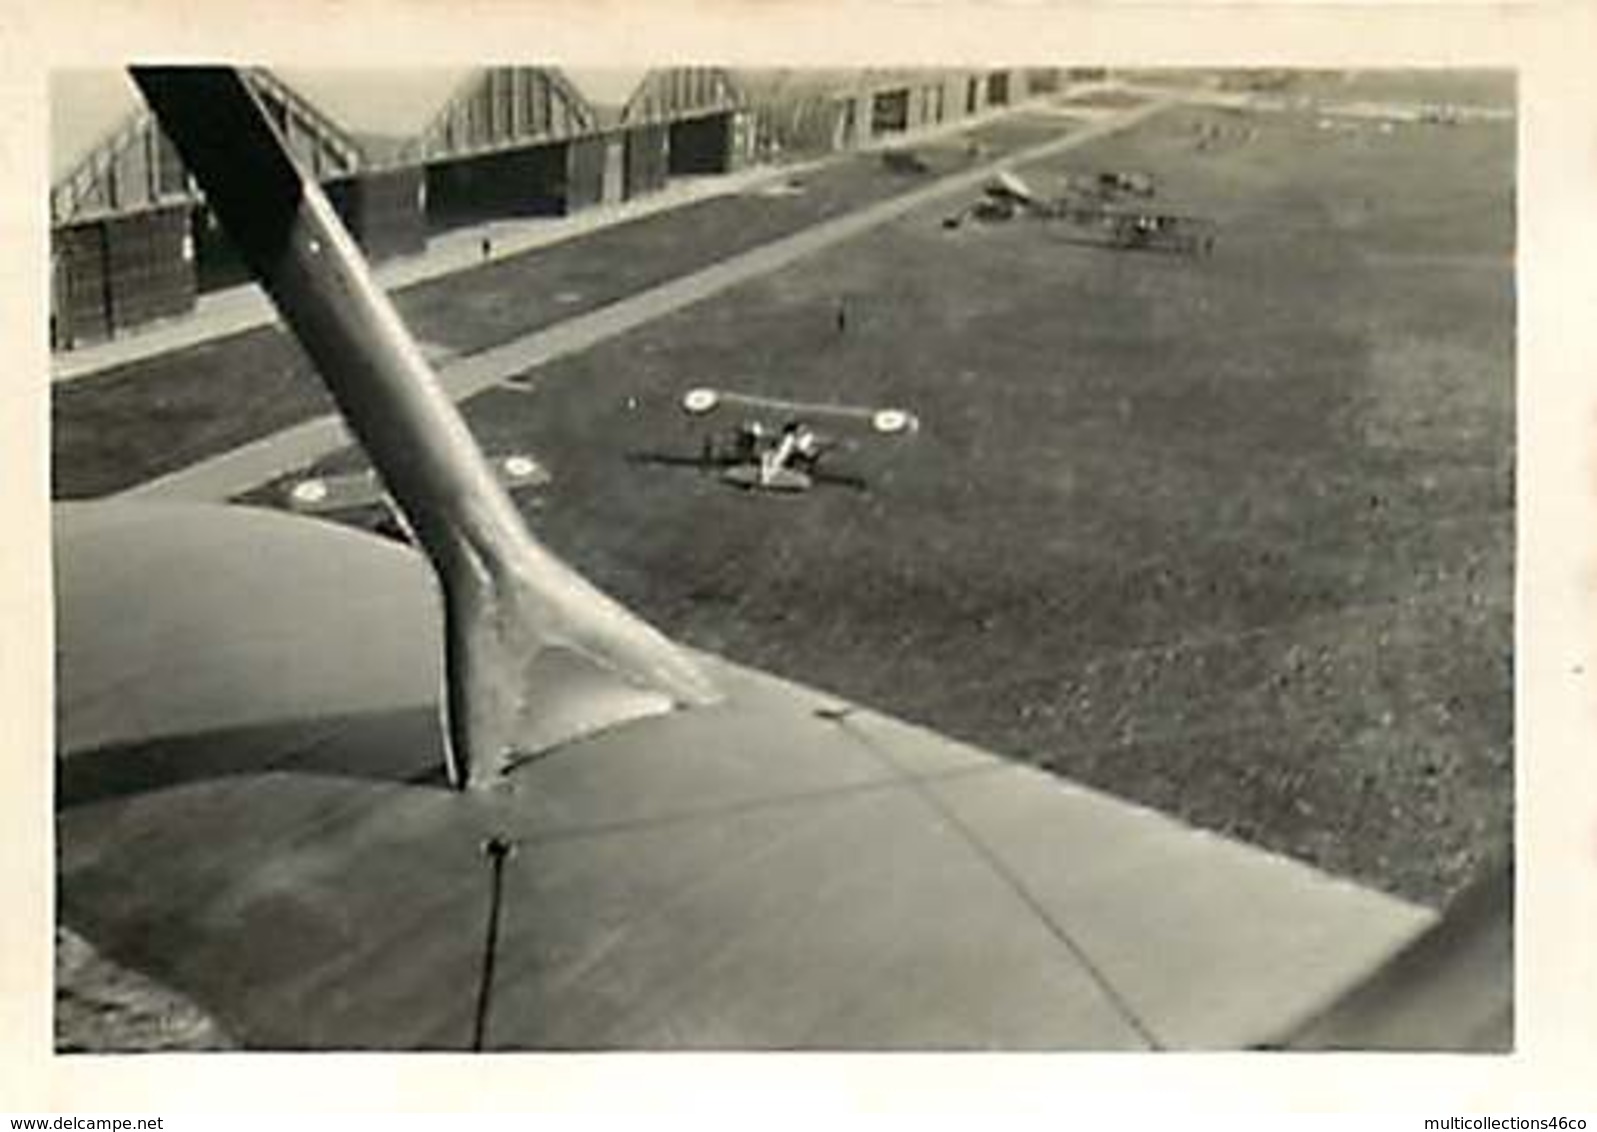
{"x": 700, "y": 400}
{"x": 309, "y": 491}
{"x": 520, "y": 467}
{"x": 891, "y": 420}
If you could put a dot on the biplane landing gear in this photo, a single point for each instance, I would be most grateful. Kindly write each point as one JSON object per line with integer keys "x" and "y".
{"x": 784, "y": 481}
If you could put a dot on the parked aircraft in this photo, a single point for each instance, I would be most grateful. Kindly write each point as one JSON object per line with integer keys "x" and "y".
{"x": 775, "y": 444}
{"x": 1088, "y": 212}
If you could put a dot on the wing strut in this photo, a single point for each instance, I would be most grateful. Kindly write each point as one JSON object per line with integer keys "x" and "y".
{"x": 534, "y": 654}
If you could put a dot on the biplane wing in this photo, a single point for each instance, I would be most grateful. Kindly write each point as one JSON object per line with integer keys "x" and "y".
{"x": 331, "y": 494}
{"x": 253, "y": 806}
{"x": 703, "y": 401}
{"x": 1007, "y": 183}
{"x": 252, "y": 812}
{"x": 1130, "y": 229}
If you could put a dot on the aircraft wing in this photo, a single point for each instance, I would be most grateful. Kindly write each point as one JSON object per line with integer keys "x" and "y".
{"x": 331, "y": 494}
{"x": 881, "y": 421}
{"x": 251, "y": 811}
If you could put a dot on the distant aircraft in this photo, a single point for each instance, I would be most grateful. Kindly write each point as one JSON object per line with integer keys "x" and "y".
{"x": 1145, "y": 230}
{"x": 775, "y": 446}
{"x": 1110, "y": 184}
{"x": 344, "y": 795}
{"x": 1087, "y": 216}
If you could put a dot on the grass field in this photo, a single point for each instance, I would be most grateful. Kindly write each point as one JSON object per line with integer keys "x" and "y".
{"x": 1232, "y": 537}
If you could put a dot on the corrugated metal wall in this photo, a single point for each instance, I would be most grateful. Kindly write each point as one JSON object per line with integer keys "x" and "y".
{"x": 647, "y": 160}
{"x": 584, "y": 172}
{"x": 703, "y": 145}
{"x": 320, "y": 146}
{"x": 136, "y": 169}
{"x": 1043, "y": 80}
{"x": 801, "y": 114}
{"x": 116, "y": 272}
{"x": 383, "y": 210}
{"x": 811, "y": 123}
{"x": 890, "y": 111}
{"x": 80, "y": 308}
{"x": 125, "y": 226}
{"x": 526, "y": 181}
{"x": 1000, "y": 89}
{"x": 149, "y": 265}
{"x": 506, "y": 106}
{"x": 669, "y": 94}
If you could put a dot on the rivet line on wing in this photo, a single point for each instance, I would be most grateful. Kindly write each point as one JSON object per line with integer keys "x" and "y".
{"x": 841, "y": 717}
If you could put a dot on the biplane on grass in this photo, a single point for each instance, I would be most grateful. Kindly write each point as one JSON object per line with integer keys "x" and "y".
{"x": 1110, "y": 184}
{"x": 775, "y": 444}
{"x": 1138, "y": 230}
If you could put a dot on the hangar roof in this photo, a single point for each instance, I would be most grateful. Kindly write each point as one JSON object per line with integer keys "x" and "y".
{"x": 87, "y": 108}
{"x": 775, "y": 84}
{"x": 607, "y": 90}
{"x": 382, "y": 108}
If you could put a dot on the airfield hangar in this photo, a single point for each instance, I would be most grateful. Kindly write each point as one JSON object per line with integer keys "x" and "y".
{"x": 807, "y": 112}
{"x": 131, "y": 239}
{"x": 406, "y": 155}
{"x": 402, "y": 155}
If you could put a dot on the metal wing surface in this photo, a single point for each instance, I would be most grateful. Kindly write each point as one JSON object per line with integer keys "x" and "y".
{"x": 251, "y": 810}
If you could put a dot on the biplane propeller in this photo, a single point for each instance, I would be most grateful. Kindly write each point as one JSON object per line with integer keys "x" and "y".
{"x": 633, "y": 844}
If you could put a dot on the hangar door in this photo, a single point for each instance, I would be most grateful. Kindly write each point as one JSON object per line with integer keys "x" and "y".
{"x": 890, "y": 112}
{"x": 701, "y": 145}
{"x": 520, "y": 182}
{"x": 646, "y": 160}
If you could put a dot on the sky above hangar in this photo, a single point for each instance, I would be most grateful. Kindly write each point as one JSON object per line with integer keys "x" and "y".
{"x": 86, "y": 106}
{"x": 383, "y": 101}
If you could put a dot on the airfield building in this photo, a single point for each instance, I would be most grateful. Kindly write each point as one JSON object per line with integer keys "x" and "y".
{"x": 804, "y": 112}
{"x": 401, "y": 154}
{"x": 404, "y": 154}
{"x": 121, "y": 250}
{"x": 653, "y": 124}
{"x": 131, "y": 239}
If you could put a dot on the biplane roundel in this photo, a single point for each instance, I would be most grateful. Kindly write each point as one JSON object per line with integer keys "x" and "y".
{"x": 775, "y": 411}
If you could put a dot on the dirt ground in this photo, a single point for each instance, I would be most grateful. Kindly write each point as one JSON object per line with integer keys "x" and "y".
{"x": 1232, "y": 537}
{"x": 100, "y": 1006}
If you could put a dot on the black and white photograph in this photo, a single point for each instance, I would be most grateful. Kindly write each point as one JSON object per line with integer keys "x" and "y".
{"x": 851, "y": 558}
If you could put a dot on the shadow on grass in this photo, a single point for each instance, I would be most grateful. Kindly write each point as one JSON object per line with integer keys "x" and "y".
{"x": 711, "y": 465}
